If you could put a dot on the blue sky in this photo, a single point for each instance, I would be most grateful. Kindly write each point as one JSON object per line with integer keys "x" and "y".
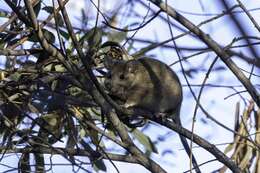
{"x": 213, "y": 98}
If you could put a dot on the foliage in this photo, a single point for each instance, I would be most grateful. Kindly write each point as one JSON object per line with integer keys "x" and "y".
{"x": 52, "y": 93}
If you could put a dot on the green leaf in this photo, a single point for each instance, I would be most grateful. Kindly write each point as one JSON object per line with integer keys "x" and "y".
{"x": 99, "y": 165}
{"x": 54, "y": 85}
{"x": 42, "y": 56}
{"x": 93, "y": 37}
{"x": 15, "y": 2}
{"x": 84, "y": 17}
{"x": 33, "y": 38}
{"x": 4, "y": 14}
{"x": 51, "y": 119}
{"x": 117, "y": 36}
{"x": 82, "y": 133}
{"x": 145, "y": 141}
{"x": 48, "y": 67}
{"x": 13, "y": 41}
{"x": 48, "y": 9}
{"x": 60, "y": 21}
{"x": 64, "y": 34}
{"x": 229, "y": 147}
{"x": 2, "y": 44}
{"x": 49, "y": 36}
{"x": 15, "y": 76}
{"x": 37, "y": 8}
{"x": 59, "y": 68}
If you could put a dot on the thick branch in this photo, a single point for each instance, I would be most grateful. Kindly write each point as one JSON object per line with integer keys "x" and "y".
{"x": 189, "y": 135}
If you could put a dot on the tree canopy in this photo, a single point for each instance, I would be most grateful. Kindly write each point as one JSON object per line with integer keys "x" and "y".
{"x": 52, "y": 96}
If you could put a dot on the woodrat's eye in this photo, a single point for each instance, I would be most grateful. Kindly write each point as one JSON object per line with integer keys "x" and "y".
{"x": 121, "y": 76}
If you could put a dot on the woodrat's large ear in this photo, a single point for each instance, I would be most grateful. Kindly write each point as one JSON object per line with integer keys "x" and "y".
{"x": 132, "y": 66}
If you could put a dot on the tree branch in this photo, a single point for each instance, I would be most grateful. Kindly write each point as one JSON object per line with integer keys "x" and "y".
{"x": 224, "y": 56}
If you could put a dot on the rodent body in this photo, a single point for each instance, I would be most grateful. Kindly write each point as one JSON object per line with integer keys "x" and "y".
{"x": 148, "y": 84}
{"x": 145, "y": 83}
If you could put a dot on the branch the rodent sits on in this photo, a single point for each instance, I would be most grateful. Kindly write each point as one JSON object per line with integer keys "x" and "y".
{"x": 148, "y": 84}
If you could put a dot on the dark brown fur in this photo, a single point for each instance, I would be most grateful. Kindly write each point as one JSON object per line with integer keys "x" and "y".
{"x": 145, "y": 83}
{"x": 148, "y": 84}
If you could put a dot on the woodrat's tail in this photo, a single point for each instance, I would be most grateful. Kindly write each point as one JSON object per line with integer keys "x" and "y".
{"x": 186, "y": 146}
